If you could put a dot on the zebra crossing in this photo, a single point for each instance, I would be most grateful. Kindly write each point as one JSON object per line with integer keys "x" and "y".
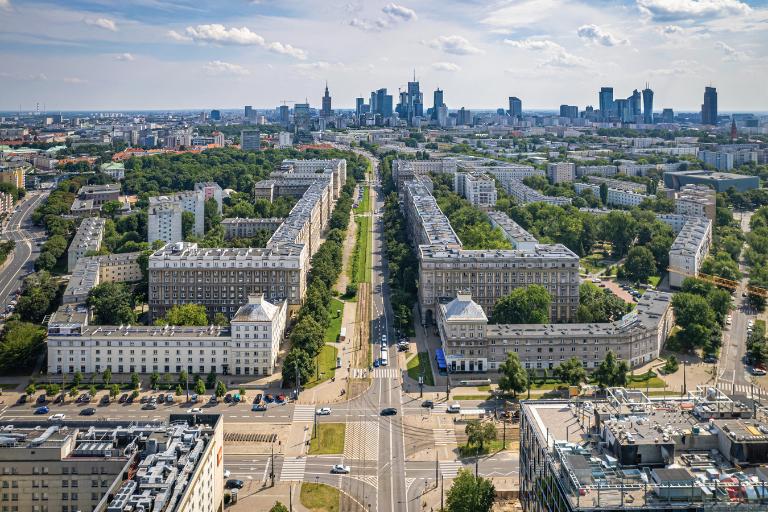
{"x": 361, "y": 440}
{"x": 386, "y": 373}
{"x": 742, "y": 389}
{"x": 293, "y": 469}
{"x": 358, "y": 373}
{"x": 444, "y": 436}
{"x": 450, "y": 468}
{"x": 303, "y": 413}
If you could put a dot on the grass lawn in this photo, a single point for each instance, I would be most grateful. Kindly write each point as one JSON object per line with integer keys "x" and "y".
{"x": 361, "y": 259}
{"x": 329, "y": 439}
{"x": 327, "y": 364}
{"x": 470, "y": 450}
{"x": 654, "y": 280}
{"x": 419, "y": 364}
{"x": 486, "y": 387}
{"x": 471, "y": 397}
{"x": 319, "y": 497}
{"x": 365, "y": 203}
{"x": 332, "y": 332}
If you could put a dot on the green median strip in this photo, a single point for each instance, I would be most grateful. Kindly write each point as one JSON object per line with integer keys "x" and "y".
{"x": 329, "y": 439}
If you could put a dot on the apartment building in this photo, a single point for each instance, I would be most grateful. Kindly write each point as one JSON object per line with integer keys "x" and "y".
{"x": 561, "y": 172}
{"x": 501, "y": 170}
{"x": 632, "y": 452}
{"x": 6, "y": 204}
{"x": 446, "y": 268}
{"x": 406, "y": 170}
{"x": 115, "y": 466}
{"x": 696, "y": 201}
{"x": 476, "y": 187}
{"x": 262, "y": 325}
{"x": 616, "y": 197}
{"x": 596, "y": 170}
{"x": 13, "y": 173}
{"x": 630, "y": 186}
{"x": 471, "y": 344}
{"x": 523, "y": 194}
{"x": 89, "y": 272}
{"x": 689, "y": 250}
{"x": 87, "y": 239}
{"x": 514, "y": 232}
{"x": 164, "y": 220}
{"x": 720, "y": 160}
{"x": 237, "y": 227}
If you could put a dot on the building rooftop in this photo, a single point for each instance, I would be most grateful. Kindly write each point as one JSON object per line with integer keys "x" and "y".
{"x": 511, "y": 229}
{"x": 434, "y": 223}
{"x": 691, "y": 237}
{"x": 258, "y": 309}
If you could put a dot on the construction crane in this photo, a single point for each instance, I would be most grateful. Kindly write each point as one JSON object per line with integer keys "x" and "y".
{"x": 285, "y": 102}
{"x": 720, "y": 281}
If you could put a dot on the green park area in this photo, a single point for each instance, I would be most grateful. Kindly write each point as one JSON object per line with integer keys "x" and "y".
{"x": 329, "y": 439}
{"x": 319, "y": 497}
{"x": 419, "y": 365}
{"x": 326, "y": 366}
{"x": 334, "y": 328}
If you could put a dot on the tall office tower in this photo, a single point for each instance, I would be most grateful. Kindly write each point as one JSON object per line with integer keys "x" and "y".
{"x": 437, "y": 102}
{"x": 569, "y": 111}
{"x": 301, "y": 115}
{"x": 381, "y": 103}
{"x": 464, "y": 117}
{"x": 647, "y": 105}
{"x": 325, "y": 110}
{"x": 215, "y": 115}
{"x": 607, "y": 107}
{"x": 709, "y": 108}
{"x": 411, "y": 102}
{"x": 667, "y": 115}
{"x": 284, "y": 115}
{"x": 248, "y": 114}
{"x": 634, "y": 104}
{"x": 621, "y": 109}
{"x": 250, "y": 140}
{"x": 515, "y": 107}
{"x": 359, "y": 104}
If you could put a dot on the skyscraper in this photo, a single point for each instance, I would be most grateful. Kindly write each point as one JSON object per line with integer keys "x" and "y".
{"x": 647, "y": 105}
{"x": 515, "y": 107}
{"x": 634, "y": 104}
{"x": 709, "y": 108}
{"x": 437, "y": 102}
{"x": 606, "y": 102}
{"x": 325, "y": 110}
{"x": 301, "y": 115}
{"x": 215, "y": 115}
{"x": 569, "y": 111}
{"x": 250, "y": 140}
{"x": 248, "y": 112}
{"x": 284, "y": 115}
{"x": 381, "y": 103}
{"x": 359, "y": 103}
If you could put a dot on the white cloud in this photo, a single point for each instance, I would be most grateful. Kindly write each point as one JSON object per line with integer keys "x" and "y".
{"x": 242, "y": 36}
{"x": 539, "y": 45}
{"x": 5, "y": 5}
{"x": 669, "y": 30}
{"x": 104, "y": 23}
{"x": 731, "y": 53}
{"x": 393, "y": 15}
{"x": 691, "y": 10}
{"x": 125, "y": 57}
{"x": 456, "y": 45}
{"x": 217, "y": 67}
{"x": 321, "y": 64}
{"x": 596, "y": 35}
{"x": 74, "y": 80}
{"x": 446, "y": 66}
{"x": 564, "y": 59}
{"x": 33, "y": 77}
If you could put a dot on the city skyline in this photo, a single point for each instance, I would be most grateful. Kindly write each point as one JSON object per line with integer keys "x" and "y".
{"x": 170, "y": 55}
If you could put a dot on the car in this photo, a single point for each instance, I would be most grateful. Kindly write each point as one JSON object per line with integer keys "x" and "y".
{"x": 42, "y": 410}
{"x": 58, "y": 399}
{"x": 84, "y": 398}
{"x": 123, "y": 398}
{"x": 56, "y": 417}
{"x": 280, "y": 399}
{"x": 257, "y": 398}
{"x": 259, "y": 407}
{"x": 402, "y": 348}
{"x": 383, "y": 339}
{"x": 227, "y": 398}
{"x": 194, "y": 398}
{"x": 710, "y": 359}
{"x": 227, "y": 473}
{"x": 758, "y": 371}
{"x": 269, "y": 399}
{"x": 161, "y": 398}
{"x": 388, "y": 411}
{"x": 339, "y": 469}
{"x": 428, "y": 404}
{"x": 214, "y": 399}
{"x": 195, "y": 410}
{"x": 105, "y": 400}
{"x": 88, "y": 411}
{"x": 234, "y": 484}
{"x": 22, "y": 399}
{"x": 169, "y": 399}
{"x": 149, "y": 406}
{"x": 323, "y": 411}
{"x": 144, "y": 399}
{"x": 376, "y": 363}
{"x": 129, "y": 400}
{"x": 236, "y": 398}
{"x": 455, "y": 408}
{"x": 41, "y": 399}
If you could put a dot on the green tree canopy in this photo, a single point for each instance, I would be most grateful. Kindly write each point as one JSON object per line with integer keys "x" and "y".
{"x": 514, "y": 378}
{"x": 470, "y": 494}
{"x": 529, "y": 305}
{"x": 571, "y": 371}
{"x": 184, "y": 314}
{"x": 112, "y": 304}
{"x": 479, "y": 433}
{"x": 640, "y": 264}
{"x": 611, "y": 372}
{"x": 297, "y": 357}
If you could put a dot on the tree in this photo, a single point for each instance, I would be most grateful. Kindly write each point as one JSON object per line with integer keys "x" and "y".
{"x": 112, "y": 304}
{"x": 167, "y": 379}
{"x": 529, "y": 305}
{"x": 514, "y": 378}
{"x": 187, "y": 224}
{"x": 92, "y": 390}
{"x": 308, "y": 335}
{"x": 597, "y": 305}
{"x": 671, "y": 365}
{"x": 297, "y": 357}
{"x": 241, "y": 391}
{"x": 185, "y": 314}
{"x": 604, "y": 193}
{"x": 106, "y": 376}
{"x": 695, "y": 318}
{"x": 470, "y": 494}
{"x": 640, "y": 264}
{"x": 52, "y": 389}
{"x": 30, "y": 389}
{"x": 210, "y": 380}
{"x": 183, "y": 377}
{"x": 220, "y": 319}
{"x": 200, "y": 386}
{"x": 111, "y": 208}
{"x": 479, "y": 433}
{"x": 611, "y": 371}
{"x": 135, "y": 381}
{"x": 77, "y": 378}
{"x": 179, "y": 391}
{"x": 221, "y": 389}
{"x": 278, "y": 507}
{"x": 571, "y": 371}
{"x": 154, "y": 379}
{"x": 114, "y": 390}
{"x": 73, "y": 391}
{"x": 20, "y": 345}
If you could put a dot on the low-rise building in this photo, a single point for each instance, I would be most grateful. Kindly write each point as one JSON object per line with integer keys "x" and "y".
{"x": 689, "y": 250}
{"x": 236, "y": 227}
{"x": 99, "y": 194}
{"x": 115, "y": 170}
{"x": 88, "y": 238}
{"x": 524, "y": 194}
{"x": 720, "y": 181}
{"x": 514, "y": 232}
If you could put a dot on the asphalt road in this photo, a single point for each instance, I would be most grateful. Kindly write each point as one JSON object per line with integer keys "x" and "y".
{"x": 21, "y": 230}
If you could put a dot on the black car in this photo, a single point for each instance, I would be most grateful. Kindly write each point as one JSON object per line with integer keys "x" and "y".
{"x": 123, "y": 398}
{"x": 257, "y": 399}
{"x": 22, "y": 399}
{"x": 228, "y": 398}
{"x": 428, "y": 403}
{"x": 88, "y": 411}
{"x": 234, "y": 484}
{"x": 389, "y": 411}
{"x": 59, "y": 399}
{"x": 105, "y": 400}
{"x": 41, "y": 399}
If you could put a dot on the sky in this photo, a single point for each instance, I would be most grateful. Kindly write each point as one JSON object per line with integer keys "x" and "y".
{"x": 203, "y": 54}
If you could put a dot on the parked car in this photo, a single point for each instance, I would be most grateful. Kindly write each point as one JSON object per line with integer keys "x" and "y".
{"x": 389, "y": 411}
{"x": 169, "y": 399}
{"x": 88, "y": 411}
{"x": 259, "y": 407}
{"x": 42, "y": 410}
{"x": 105, "y": 400}
{"x": 58, "y": 399}
{"x": 339, "y": 469}
{"x": 257, "y": 398}
{"x": 144, "y": 399}
{"x": 323, "y": 411}
{"x": 160, "y": 398}
{"x": 269, "y": 399}
{"x": 710, "y": 359}
{"x": 123, "y": 398}
{"x": 22, "y": 399}
{"x": 228, "y": 398}
{"x": 41, "y": 399}
{"x": 234, "y": 484}
{"x": 280, "y": 399}
{"x": 195, "y": 410}
{"x": 214, "y": 399}
{"x": 194, "y": 399}
{"x": 149, "y": 406}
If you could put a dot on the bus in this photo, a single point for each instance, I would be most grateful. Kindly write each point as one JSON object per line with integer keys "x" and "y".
{"x": 342, "y": 334}
{"x": 384, "y": 358}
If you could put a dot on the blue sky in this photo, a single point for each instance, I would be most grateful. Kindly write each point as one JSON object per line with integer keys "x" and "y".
{"x": 141, "y": 54}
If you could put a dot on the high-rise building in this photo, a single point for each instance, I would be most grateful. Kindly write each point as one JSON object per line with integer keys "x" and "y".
{"x": 437, "y": 102}
{"x": 381, "y": 103}
{"x": 515, "y": 107}
{"x": 411, "y": 104}
{"x": 622, "y": 110}
{"x": 215, "y": 115}
{"x": 464, "y": 117}
{"x": 709, "y": 107}
{"x": 667, "y": 115}
{"x": 359, "y": 104}
{"x": 248, "y": 114}
{"x": 607, "y": 107}
{"x": 325, "y": 110}
{"x": 284, "y": 115}
{"x": 647, "y": 105}
{"x": 301, "y": 115}
{"x": 569, "y": 111}
{"x": 250, "y": 140}
{"x": 634, "y": 104}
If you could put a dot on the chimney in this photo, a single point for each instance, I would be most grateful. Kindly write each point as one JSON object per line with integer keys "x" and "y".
{"x": 256, "y": 298}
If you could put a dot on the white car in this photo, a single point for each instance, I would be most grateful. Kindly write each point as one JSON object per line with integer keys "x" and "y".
{"x": 56, "y": 417}
{"x": 227, "y": 473}
{"x": 339, "y": 469}
{"x": 196, "y": 410}
{"x": 324, "y": 411}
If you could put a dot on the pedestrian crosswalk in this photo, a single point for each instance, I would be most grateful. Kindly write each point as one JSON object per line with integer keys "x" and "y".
{"x": 358, "y": 373}
{"x": 450, "y": 468}
{"x": 293, "y": 469}
{"x": 361, "y": 440}
{"x": 444, "y": 436}
{"x": 303, "y": 413}
{"x": 742, "y": 389}
{"x": 386, "y": 373}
